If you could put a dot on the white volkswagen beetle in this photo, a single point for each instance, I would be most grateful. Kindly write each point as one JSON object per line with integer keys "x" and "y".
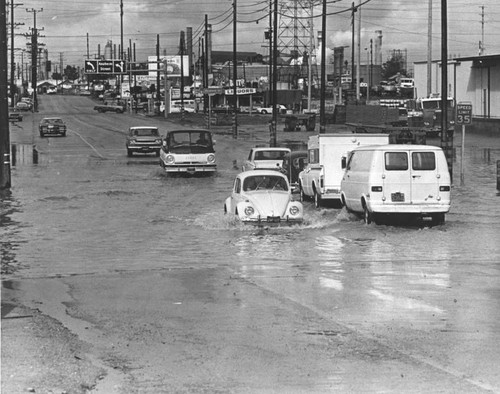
{"x": 263, "y": 198}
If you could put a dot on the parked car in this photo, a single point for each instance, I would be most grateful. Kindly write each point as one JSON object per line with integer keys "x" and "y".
{"x": 15, "y": 116}
{"x": 51, "y": 90}
{"x": 266, "y": 158}
{"x": 176, "y": 109}
{"x": 410, "y": 180}
{"x": 269, "y": 109}
{"x": 143, "y": 139}
{"x": 23, "y": 106}
{"x": 52, "y": 126}
{"x": 263, "y": 198}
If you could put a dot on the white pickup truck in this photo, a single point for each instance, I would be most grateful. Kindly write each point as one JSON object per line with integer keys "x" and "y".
{"x": 320, "y": 179}
{"x": 266, "y": 158}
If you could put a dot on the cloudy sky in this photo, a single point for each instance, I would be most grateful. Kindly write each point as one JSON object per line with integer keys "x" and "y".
{"x": 404, "y": 25}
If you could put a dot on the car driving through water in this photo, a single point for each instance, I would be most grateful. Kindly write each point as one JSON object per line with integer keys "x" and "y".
{"x": 188, "y": 152}
{"x": 263, "y": 198}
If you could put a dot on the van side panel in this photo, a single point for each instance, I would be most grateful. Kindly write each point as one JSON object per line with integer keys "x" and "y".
{"x": 356, "y": 179}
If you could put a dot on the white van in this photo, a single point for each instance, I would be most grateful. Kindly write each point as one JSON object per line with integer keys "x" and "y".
{"x": 397, "y": 179}
{"x": 321, "y": 178}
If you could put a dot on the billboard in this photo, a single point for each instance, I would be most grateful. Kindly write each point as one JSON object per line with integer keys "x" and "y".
{"x": 173, "y": 64}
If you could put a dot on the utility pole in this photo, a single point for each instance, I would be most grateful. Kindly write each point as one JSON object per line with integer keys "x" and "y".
{"x": 352, "y": 46}
{"x": 481, "y": 44}
{"x": 235, "y": 72}
{"x": 12, "y": 62}
{"x": 429, "y": 51}
{"x": 322, "y": 112}
{"x": 181, "y": 50}
{"x": 157, "y": 101}
{"x": 34, "y": 58}
{"x": 4, "y": 107}
{"x": 444, "y": 87}
{"x": 274, "y": 121}
{"x": 358, "y": 57}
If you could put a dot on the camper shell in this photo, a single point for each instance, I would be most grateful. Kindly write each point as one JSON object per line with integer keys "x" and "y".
{"x": 397, "y": 179}
{"x": 321, "y": 177}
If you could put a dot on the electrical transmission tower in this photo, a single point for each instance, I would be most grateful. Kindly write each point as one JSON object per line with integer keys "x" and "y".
{"x": 296, "y": 37}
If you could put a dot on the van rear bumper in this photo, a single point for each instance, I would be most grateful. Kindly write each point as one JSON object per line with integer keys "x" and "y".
{"x": 409, "y": 208}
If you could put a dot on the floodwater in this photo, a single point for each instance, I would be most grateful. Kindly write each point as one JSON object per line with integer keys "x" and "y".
{"x": 79, "y": 213}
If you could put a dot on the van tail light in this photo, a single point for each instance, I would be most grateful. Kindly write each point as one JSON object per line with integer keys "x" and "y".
{"x": 376, "y": 188}
{"x": 444, "y": 188}
{"x": 321, "y": 182}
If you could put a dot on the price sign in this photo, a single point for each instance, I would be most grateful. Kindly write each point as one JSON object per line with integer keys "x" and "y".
{"x": 464, "y": 114}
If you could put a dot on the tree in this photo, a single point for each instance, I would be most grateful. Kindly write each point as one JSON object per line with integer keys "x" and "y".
{"x": 395, "y": 64}
{"x": 71, "y": 73}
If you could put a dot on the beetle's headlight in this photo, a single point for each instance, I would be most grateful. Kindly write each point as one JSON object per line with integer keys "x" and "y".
{"x": 211, "y": 158}
{"x": 170, "y": 159}
{"x": 294, "y": 210}
{"x": 249, "y": 211}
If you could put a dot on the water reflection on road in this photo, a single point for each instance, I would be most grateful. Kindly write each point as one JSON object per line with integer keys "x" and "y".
{"x": 89, "y": 216}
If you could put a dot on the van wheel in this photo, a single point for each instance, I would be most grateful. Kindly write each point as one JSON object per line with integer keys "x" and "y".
{"x": 317, "y": 200}
{"x": 437, "y": 219}
{"x": 367, "y": 216}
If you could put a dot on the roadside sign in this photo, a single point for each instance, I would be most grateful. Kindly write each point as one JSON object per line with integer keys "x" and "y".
{"x": 105, "y": 66}
{"x": 464, "y": 114}
{"x": 90, "y": 66}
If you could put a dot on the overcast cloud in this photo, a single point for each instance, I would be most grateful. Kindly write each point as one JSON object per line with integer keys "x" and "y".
{"x": 404, "y": 25}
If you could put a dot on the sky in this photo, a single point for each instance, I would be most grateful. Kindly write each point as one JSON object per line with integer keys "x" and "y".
{"x": 65, "y": 25}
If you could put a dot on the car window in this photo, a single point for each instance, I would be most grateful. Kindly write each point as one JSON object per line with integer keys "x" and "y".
{"x": 423, "y": 161}
{"x": 396, "y": 161}
{"x": 265, "y": 182}
{"x": 237, "y": 185}
{"x": 145, "y": 132}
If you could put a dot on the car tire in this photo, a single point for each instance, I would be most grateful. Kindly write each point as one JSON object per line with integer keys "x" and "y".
{"x": 264, "y": 112}
{"x": 317, "y": 200}
{"x": 367, "y": 215}
{"x": 303, "y": 196}
{"x": 437, "y": 219}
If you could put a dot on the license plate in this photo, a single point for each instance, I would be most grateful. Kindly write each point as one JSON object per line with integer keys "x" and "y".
{"x": 397, "y": 197}
{"x": 273, "y": 219}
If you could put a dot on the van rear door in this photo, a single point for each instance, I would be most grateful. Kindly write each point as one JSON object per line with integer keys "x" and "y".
{"x": 424, "y": 184}
{"x": 397, "y": 186}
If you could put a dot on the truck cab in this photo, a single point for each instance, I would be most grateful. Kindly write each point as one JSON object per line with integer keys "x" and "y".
{"x": 426, "y": 112}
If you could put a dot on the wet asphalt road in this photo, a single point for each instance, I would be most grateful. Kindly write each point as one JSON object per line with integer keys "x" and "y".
{"x": 172, "y": 296}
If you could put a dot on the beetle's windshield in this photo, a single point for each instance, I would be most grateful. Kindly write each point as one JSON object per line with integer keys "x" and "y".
{"x": 265, "y": 182}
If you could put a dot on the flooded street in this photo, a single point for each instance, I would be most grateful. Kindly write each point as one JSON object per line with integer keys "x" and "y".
{"x": 171, "y": 295}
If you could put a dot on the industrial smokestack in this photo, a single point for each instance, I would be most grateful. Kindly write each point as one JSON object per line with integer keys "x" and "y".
{"x": 378, "y": 48}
